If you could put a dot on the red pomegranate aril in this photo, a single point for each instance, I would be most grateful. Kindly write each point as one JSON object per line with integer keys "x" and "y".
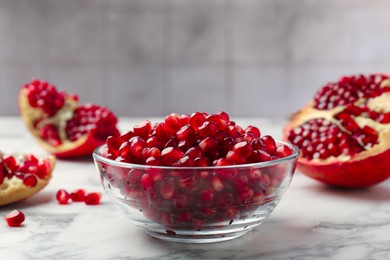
{"x": 243, "y": 148}
{"x": 173, "y": 142}
{"x": 173, "y": 121}
{"x": 137, "y": 144}
{"x": 217, "y": 183}
{"x": 77, "y": 195}
{"x": 125, "y": 151}
{"x": 30, "y": 180}
{"x": 15, "y": 218}
{"x": 222, "y": 162}
{"x": 185, "y": 161}
{"x": 186, "y": 132}
{"x": 283, "y": 151}
{"x": 219, "y": 120}
{"x": 154, "y": 152}
{"x": 180, "y": 201}
{"x": 194, "y": 152}
{"x": 153, "y": 141}
{"x": 208, "y": 144}
{"x": 127, "y": 136}
{"x": 49, "y": 133}
{"x": 201, "y": 162}
{"x": 207, "y": 129}
{"x": 184, "y": 119}
{"x": 184, "y": 145}
{"x": 254, "y": 130}
{"x": 232, "y": 131}
{"x": 206, "y": 197}
{"x": 260, "y": 156}
{"x": 146, "y": 182}
{"x": 269, "y": 143}
{"x": 170, "y": 155}
{"x": 113, "y": 144}
{"x": 63, "y": 197}
{"x": 224, "y": 116}
{"x": 92, "y": 198}
{"x": 152, "y": 161}
{"x": 167, "y": 189}
{"x": 235, "y": 157}
{"x": 163, "y": 133}
{"x": 196, "y": 120}
{"x": 10, "y": 162}
{"x": 249, "y": 137}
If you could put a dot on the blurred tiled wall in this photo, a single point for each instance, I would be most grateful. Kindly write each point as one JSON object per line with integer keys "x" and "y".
{"x": 153, "y": 57}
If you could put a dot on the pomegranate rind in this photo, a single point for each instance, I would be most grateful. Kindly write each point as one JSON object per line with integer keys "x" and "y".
{"x": 83, "y": 146}
{"x": 13, "y": 190}
{"x": 361, "y": 170}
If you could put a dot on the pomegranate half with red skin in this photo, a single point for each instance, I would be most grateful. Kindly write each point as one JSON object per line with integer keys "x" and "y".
{"x": 23, "y": 175}
{"x": 62, "y": 126}
{"x": 344, "y": 132}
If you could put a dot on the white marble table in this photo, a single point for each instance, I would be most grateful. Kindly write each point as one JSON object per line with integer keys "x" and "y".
{"x": 312, "y": 221}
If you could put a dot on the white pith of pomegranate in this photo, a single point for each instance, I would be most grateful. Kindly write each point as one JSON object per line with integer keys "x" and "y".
{"x": 344, "y": 133}
{"x": 194, "y": 189}
{"x": 22, "y": 176}
{"x": 60, "y": 124}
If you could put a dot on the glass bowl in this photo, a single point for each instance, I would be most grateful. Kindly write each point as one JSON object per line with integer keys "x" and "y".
{"x": 196, "y": 204}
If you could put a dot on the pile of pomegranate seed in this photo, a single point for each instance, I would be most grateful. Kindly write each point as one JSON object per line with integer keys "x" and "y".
{"x": 64, "y": 197}
{"x": 197, "y": 140}
{"x": 191, "y": 198}
{"x": 15, "y": 218}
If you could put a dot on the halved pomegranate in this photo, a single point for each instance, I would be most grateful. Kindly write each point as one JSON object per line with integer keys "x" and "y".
{"x": 344, "y": 133}
{"x": 22, "y": 176}
{"x": 60, "y": 125}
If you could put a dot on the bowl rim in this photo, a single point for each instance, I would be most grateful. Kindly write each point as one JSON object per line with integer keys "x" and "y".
{"x": 294, "y": 156}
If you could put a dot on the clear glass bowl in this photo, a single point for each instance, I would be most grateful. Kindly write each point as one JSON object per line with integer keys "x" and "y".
{"x": 196, "y": 204}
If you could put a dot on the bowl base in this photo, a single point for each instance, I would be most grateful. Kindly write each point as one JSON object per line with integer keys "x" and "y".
{"x": 198, "y": 237}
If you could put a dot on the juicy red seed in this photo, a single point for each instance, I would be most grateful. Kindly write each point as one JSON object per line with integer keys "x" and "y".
{"x": 154, "y": 152}
{"x": 222, "y": 162}
{"x": 260, "y": 156}
{"x": 283, "y": 151}
{"x": 137, "y": 144}
{"x": 196, "y": 120}
{"x": 224, "y": 115}
{"x": 153, "y": 141}
{"x": 217, "y": 183}
{"x": 184, "y": 145}
{"x": 206, "y": 197}
{"x": 173, "y": 121}
{"x": 194, "y": 152}
{"x": 92, "y": 198}
{"x": 163, "y": 133}
{"x": 170, "y": 155}
{"x": 208, "y": 144}
{"x": 243, "y": 148}
{"x": 258, "y": 144}
{"x": 127, "y": 136}
{"x": 235, "y": 157}
{"x": 152, "y": 161}
{"x": 201, "y": 162}
{"x": 146, "y": 182}
{"x": 185, "y": 133}
{"x": 249, "y": 137}
{"x": 49, "y": 133}
{"x": 62, "y": 197}
{"x": 77, "y": 195}
{"x": 219, "y": 120}
{"x": 254, "y": 130}
{"x": 185, "y": 161}
{"x": 207, "y": 129}
{"x": 30, "y": 180}
{"x": 173, "y": 142}
{"x": 269, "y": 143}
{"x": 15, "y": 218}
{"x": 10, "y": 162}
{"x": 184, "y": 119}
{"x": 167, "y": 189}
{"x": 113, "y": 144}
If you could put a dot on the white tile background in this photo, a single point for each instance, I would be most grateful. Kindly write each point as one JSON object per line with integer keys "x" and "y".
{"x": 153, "y": 57}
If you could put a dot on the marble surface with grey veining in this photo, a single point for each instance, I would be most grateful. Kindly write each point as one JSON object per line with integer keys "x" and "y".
{"x": 312, "y": 221}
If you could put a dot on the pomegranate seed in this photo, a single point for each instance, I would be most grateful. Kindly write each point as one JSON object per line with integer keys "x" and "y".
{"x": 154, "y": 152}
{"x": 208, "y": 144}
{"x": 284, "y": 151}
{"x": 194, "y": 152}
{"x": 243, "y": 148}
{"x": 173, "y": 121}
{"x": 201, "y": 162}
{"x": 219, "y": 120}
{"x": 254, "y": 130}
{"x": 260, "y": 156}
{"x": 10, "y": 162}
{"x": 127, "y": 136}
{"x": 196, "y": 120}
{"x": 92, "y": 198}
{"x": 222, "y": 162}
{"x": 153, "y": 141}
{"x": 146, "y": 182}
{"x": 167, "y": 189}
{"x": 15, "y": 218}
{"x": 235, "y": 157}
{"x": 30, "y": 180}
{"x": 269, "y": 143}
{"x": 152, "y": 161}
{"x": 143, "y": 129}
{"x": 77, "y": 195}
{"x": 184, "y": 119}
{"x": 217, "y": 183}
{"x": 170, "y": 155}
{"x": 113, "y": 144}
{"x": 185, "y": 133}
{"x": 206, "y": 197}
{"x": 137, "y": 144}
{"x": 62, "y": 197}
{"x": 185, "y": 161}
{"x": 207, "y": 129}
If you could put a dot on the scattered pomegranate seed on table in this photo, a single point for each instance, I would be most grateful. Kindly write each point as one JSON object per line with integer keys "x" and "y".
{"x": 15, "y": 218}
